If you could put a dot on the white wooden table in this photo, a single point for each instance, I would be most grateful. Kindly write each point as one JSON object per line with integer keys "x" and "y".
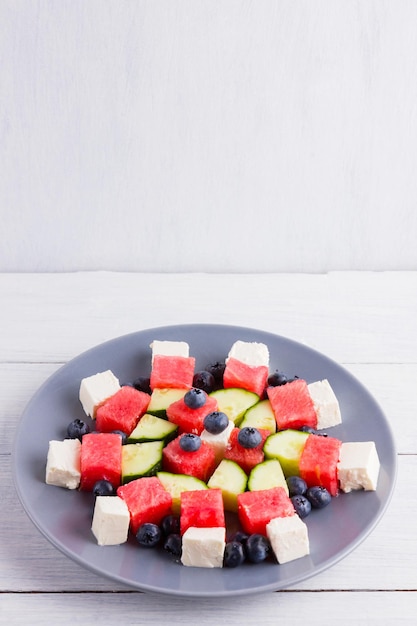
{"x": 365, "y": 321}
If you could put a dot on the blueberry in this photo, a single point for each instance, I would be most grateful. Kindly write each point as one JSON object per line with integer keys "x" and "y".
{"x": 301, "y": 505}
{"x": 142, "y": 383}
{"x": 173, "y": 544}
{"x": 234, "y": 554}
{"x": 312, "y": 431}
{"x": 319, "y": 497}
{"x": 170, "y": 525}
{"x": 217, "y": 371}
{"x": 257, "y": 548}
{"x": 240, "y": 536}
{"x": 277, "y": 379}
{"x": 104, "y": 488}
{"x": 190, "y": 442}
{"x": 249, "y": 437}
{"x": 123, "y": 435}
{"x": 297, "y": 486}
{"x": 195, "y": 398}
{"x": 216, "y": 422}
{"x": 77, "y": 428}
{"x": 204, "y": 380}
{"x": 148, "y": 535}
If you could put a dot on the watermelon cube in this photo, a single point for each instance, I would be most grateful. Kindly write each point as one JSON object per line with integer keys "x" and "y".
{"x": 190, "y": 420}
{"x": 172, "y": 372}
{"x": 202, "y": 509}
{"x": 243, "y": 376}
{"x": 318, "y": 462}
{"x": 200, "y": 463}
{"x": 292, "y": 405}
{"x": 257, "y": 508}
{"x": 246, "y": 458}
{"x": 122, "y": 410}
{"x": 147, "y": 501}
{"x": 101, "y": 459}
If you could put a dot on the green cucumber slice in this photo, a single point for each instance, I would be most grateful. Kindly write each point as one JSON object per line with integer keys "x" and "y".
{"x": 176, "y": 484}
{"x": 141, "y": 459}
{"x": 287, "y": 447}
{"x": 152, "y": 428}
{"x": 267, "y": 475}
{"x": 235, "y": 402}
{"x": 162, "y": 398}
{"x": 231, "y": 479}
{"x": 261, "y": 416}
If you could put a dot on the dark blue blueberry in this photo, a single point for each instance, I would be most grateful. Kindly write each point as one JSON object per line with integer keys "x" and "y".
{"x": 216, "y": 422}
{"x": 277, "y": 379}
{"x": 195, "y": 398}
{"x": 301, "y": 505}
{"x": 104, "y": 488}
{"x": 173, "y": 544}
{"x": 217, "y": 371}
{"x": 318, "y": 496}
{"x": 204, "y": 380}
{"x": 149, "y": 535}
{"x": 77, "y": 428}
{"x": 190, "y": 442}
{"x": 297, "y": 486}
{"x": 170, "y": 525}
{"x": 142, "y": 383}
{"x": 249, "y": 437}
{"x": 257, "y": 548}
{"x": 234, "y": 554}
{"x": 312, "y": 431}
{"x": 123, "y": 435}
{"x": 240, "y": 536}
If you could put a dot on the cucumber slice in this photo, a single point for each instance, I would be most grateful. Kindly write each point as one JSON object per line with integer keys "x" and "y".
{"x": 231, "y": 479}
{"x": 175, "y": 484}
{"x": 261, "y": 416}
{"x": 162, "y": 398}
{"x": 235, "y": 402}
{"x": 152, "y": 428}
{"x": 287, "y": 447}
{"x": 266, "y": 475}
{"x": 141, "y": 459}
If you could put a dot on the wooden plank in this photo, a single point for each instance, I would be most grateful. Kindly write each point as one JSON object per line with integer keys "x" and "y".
{"x": 353, "y": 317}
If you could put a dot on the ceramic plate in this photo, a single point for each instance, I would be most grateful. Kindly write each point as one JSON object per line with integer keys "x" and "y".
{"x": 64, "y": 517}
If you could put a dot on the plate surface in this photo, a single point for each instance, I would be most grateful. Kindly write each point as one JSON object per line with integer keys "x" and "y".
{"x": 64, "y": 517}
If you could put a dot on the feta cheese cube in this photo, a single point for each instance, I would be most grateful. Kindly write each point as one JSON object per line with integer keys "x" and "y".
{"x": 358, "y": 466}
{"x": 170, "y": 348}
{"x": 63, "y": 464}
{"x": 251, "y": 353}
{"x": 203, "y": 547}
{"x": 325, "y": 404}
{"x": 288, "y": 537}
{"x": 110, "y": 520}
{"x": 218, "y": 442}
{"x": 96, "y": 389}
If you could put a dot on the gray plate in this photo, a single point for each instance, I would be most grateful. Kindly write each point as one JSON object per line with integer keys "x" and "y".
{"x": 64, "y": 517}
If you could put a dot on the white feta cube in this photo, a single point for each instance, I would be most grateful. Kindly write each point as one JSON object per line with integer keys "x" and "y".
{"x": 169, "y": 348}
{"x": 358, "y": 466}
{"x": 203, "y": 547}
{"x": 96, "y": 389}
{"x": 110, "y": 520}
{"x": 63, "y": 464}
{"x": 325, "y": 403}
{"x": 288, "y": 537}
{"x": 218, "y": 442}
{"x": 251, "y": 353}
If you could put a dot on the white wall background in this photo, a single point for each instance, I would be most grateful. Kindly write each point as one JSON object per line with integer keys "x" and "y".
{"x": 207, "y": 135}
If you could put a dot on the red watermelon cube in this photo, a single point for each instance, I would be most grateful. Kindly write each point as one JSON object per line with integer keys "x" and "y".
{"x": 202, "y": 509}
{"x": 292, "y": 405}
{"x": 318, "y": 462}
{"x": 147, "y": 501}
{"x": 122, "y": 410}
{"x": 257, "y": 508}
{"x": 101, "y": 459}
{"x": 200, "y": 463}
{"x": 172, "y": 372}
{"x": 243, "y": 376}
{"x": 190, "y": 420}
{"x": 246, "y": 458}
